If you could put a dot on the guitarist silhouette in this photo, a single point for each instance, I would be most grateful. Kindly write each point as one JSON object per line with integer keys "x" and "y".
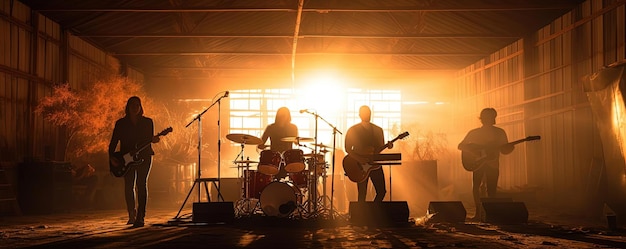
{"x": 361, "y": 141}
{"x": 493, "y": 141}
{"x": 129, "y": 131}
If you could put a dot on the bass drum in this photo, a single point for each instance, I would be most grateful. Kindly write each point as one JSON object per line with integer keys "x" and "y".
{"x": 280, "y": 199}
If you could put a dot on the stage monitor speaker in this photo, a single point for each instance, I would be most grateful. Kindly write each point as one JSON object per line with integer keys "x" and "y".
{"x": 447, "y": 211}
{"x": 496, "y": 199}
{"x": 491, "y": 199}
{"x": 213, "y": 212}
{"x": 513, "y": 212}
{"x": 388, "y": 213}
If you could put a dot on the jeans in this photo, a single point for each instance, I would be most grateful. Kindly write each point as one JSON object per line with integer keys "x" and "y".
{"x": 378, "y": 180}
{"x": 137, "y": 179}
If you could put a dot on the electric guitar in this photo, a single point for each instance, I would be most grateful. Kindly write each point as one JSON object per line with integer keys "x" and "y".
{"x": 121, "y": 162}
{"x": 474, "y": 159}
{"x": 358, "y": 167}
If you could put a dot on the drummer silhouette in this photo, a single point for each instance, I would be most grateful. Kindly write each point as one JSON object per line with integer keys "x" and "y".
{"x": 276, "y": 132}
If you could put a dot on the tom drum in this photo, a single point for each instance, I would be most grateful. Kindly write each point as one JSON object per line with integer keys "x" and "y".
{"x": 294, "y": 160}
{"x": 269, "y": 163}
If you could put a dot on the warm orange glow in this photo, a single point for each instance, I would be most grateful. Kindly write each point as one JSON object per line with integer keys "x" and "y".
{"x": 618, "y": 120}
{"x": 322, "y": 92}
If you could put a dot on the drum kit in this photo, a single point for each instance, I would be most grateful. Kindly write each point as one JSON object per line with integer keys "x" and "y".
{"x": 263, "y": 192}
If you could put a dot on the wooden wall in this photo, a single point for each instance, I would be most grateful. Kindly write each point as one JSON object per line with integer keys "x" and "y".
{"x": 536, "y": 86}
{"x": 36, "y": 53}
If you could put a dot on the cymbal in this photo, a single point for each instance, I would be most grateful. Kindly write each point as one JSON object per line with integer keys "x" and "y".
{"x": 243, "y": 166}
{"x": 245, "y": 161}
{"x": 297, "y": 139}
{"x": 322, "y": 146}
{"x": 243, "y": 138}
{"x": 311, "y": 155}
{"x": 324, "y": 151}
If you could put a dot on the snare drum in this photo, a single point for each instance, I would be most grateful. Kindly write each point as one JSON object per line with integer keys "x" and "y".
{"x": 280, "y": 199}
{"x": 269, "y": 162}
{"x": 294, "y": 160}
{"x": 256, "y": 181}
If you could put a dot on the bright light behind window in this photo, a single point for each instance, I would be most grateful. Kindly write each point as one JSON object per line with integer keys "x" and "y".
{"x": 327, "y": 101}
{"x": 324, "y": 93}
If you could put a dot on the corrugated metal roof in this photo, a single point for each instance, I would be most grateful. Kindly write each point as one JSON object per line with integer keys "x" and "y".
{"x": 165, "y": 38}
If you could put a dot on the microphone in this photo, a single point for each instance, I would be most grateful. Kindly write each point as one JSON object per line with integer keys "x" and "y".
{"x": 226, "y": 94}
{"x": 305, "y": 110}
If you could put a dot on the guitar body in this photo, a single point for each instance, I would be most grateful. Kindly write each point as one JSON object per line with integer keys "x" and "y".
{"x": 473, "y": 160}
{"x": 355, "y": 170}
{"x": 122, "y": 163}
{"x": 358, "y": 168}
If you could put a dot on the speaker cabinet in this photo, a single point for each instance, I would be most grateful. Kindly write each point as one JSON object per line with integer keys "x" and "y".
{"x": 513, "y": 212}
{"x": 213, "y": 212}
{"x": 379, "y": 213}
{"x": 44, "y": 187}
{"x": 490, "y": 199}
{"x": 447, "y": 211}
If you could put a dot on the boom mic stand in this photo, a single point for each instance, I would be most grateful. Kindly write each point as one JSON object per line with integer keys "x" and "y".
{"x": 332, "y": 185}
{"x": 332, "y": 180}
{"x": 199, "y": 168}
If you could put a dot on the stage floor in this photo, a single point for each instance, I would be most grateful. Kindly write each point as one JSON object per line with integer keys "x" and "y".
{"x": 107, "y": 229}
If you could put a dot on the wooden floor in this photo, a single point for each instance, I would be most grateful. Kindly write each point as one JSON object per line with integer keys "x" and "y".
{"x": 165, "y": 229}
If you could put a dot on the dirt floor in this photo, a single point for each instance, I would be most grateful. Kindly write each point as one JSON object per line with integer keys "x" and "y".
{"x": 167, "y": 228}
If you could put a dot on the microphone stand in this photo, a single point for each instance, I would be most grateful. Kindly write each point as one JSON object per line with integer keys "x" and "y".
{"x": 332, "y": 180}
{"x": 199, "y": 169}
{"x": 332, "y": 185}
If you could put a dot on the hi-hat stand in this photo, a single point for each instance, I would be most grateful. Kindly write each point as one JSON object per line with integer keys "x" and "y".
{"x": 198, "y": 181}
{"x": 243, "y": 206}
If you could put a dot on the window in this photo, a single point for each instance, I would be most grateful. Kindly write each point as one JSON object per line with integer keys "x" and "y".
{"x": 252, "y": 110}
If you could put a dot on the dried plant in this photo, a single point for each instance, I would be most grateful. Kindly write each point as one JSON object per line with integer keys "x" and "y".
{"x": 429, "y": 145}
{"x": 180, "y": 146}
{"x": 88, "y": 115}
{"x": 421, "y": 144}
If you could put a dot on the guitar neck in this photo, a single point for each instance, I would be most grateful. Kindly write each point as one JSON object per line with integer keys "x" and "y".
{"x": 145, "y": 145}
{"x": 385, "y": 146}
{"x": 142, "y": 148}
{"x": 518, "y": 141}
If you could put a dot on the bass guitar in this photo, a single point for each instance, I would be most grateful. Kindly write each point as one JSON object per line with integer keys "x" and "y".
{"x": 474, "y": 159}
{"x": 121, "y": 162}
{"x": 358, "y": 167}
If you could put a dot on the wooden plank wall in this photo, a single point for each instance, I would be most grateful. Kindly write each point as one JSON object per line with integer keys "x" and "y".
{"x": 536, "y": 86}
{"x": 15, "y": 81}
{"x": 30, "y": 64}
{"x": 496, "y": 81}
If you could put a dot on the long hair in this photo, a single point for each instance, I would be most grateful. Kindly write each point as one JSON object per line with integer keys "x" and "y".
{"x": 133, "y": 99}
{"x": 283, "y": 116}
